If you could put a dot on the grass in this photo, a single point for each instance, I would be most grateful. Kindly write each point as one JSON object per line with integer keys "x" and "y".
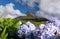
{"x": 34, "y": 22}
{"x": 38, "y": 23}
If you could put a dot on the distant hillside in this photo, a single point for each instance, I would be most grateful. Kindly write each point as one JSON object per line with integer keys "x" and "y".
{"x": 28, "y": 18}
{"x": 31, "y": 17}
{"x": 35, "y": 20}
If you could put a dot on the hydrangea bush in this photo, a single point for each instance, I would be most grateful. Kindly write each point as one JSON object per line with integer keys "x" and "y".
{"x": 50, "y": 30}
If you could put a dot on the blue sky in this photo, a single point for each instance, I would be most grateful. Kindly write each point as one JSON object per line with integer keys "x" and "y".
{"x": 19, "y": 6}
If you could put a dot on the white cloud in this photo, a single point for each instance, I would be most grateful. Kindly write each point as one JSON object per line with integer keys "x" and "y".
{"x": 30, "y": 3}
{"x": 9, "y": 16}
{"x": 52, "y": 6}
{"x": 49, "y": 8}
{"x": 9, "y": 11}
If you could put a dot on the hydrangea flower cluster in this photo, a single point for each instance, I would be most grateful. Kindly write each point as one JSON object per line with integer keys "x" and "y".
{"x": 26, "y": 29}
{"x": 49, "y": 31}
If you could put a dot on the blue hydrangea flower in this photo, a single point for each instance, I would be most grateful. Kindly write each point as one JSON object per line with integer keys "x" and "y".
{"x": 37, "y": 33}
{"x": 49, "y": 31}
{"x": 55, "y": 22}
{"x": 26, "y": 30}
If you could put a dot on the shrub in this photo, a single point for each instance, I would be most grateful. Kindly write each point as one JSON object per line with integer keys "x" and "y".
{"x": 7, "y": 25}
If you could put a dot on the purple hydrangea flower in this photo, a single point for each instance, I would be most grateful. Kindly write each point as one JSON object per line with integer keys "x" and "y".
{"x": 26, "y": 30}
{"x": 49, "y": 31}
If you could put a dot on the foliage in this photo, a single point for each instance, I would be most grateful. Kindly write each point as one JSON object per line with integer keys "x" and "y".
{"x": 6, "y": 25}
{"x": 34, "y": 22}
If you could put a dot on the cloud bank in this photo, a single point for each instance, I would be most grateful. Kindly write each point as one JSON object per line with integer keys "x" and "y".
{"x": 49, "y": 8}
{"x": 8, "y": 11}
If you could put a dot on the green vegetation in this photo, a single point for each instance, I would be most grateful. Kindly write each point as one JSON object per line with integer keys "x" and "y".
{"x": 7, "y": 25}
{"x": 36, "y": 21}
